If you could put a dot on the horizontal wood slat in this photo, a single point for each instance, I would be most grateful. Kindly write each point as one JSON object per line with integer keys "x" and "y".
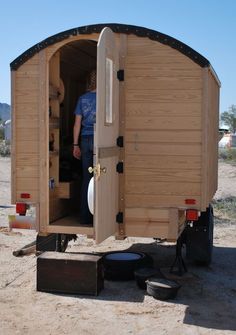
{"x": 162, "y": 83}
{"x": 166, "y": 109}
{"x": 155, "y": 200}
{"x": 171, "y": 175}
{"x": 163, "y": 122}
{"x": 27, "y": 146}
{"x": 146, "y": 229}
{"x": 163, "y": 149}
{"x": 26, "y": 171}
{"x": 156, "y": 96}
{"x": 162, "y": 188}
{"x": 160, "y": 70}
{"x": 29, "y": 159}
{"x": 189, "y": 136}
{"x": 26, "y": 184}
{"x": 31, "y": 124}
{"x": 161, "y": 162}
{"x": 149, "y": 214}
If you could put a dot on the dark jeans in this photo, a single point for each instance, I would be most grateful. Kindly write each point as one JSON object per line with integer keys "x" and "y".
{"x": 87, "y": 161}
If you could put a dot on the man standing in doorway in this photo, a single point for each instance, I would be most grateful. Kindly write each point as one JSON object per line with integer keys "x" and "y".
{"x": 85, "y": 118}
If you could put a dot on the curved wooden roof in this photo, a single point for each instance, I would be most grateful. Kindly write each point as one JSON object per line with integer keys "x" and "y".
{"x": 116, "y": 28}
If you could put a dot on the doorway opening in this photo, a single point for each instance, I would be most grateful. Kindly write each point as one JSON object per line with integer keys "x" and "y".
{"x": 68, "y": 70}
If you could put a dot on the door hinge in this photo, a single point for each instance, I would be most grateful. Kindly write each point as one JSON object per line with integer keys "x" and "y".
{"x": 121, "y": 75}
{"x": 120, "y": 167}
{"x": 120, "y": 141}
{"x": 119, "y": 217}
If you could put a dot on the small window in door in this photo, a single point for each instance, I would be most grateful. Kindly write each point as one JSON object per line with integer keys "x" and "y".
{"x": 109, "y": 91}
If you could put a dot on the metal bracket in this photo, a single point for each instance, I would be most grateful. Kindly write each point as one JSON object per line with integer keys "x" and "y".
{"x": 121, "y": 75}
{"x": 119, "y": 217}
{"x": 120, "y": 141}
{"x": 120, "y": 167}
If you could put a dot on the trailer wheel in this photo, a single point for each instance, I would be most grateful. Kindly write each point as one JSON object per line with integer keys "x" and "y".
{"x": 199, "y": 238}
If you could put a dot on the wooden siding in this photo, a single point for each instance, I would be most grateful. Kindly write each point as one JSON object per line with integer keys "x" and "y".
{"x": 163, "y": 134}
{"x": 25, "y": 161}
{"x": 212, "y": 137}
{"x": 169, "y": 119}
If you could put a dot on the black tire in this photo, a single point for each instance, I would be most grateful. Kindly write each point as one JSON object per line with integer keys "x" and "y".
{"x": 123, "y": 269}
{"x": 199, "y": 238}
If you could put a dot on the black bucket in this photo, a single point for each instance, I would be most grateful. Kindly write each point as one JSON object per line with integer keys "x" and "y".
{"x": 161, "y": 288}
{"x": 142, "y": 274}
{"x": 120, "y": 265}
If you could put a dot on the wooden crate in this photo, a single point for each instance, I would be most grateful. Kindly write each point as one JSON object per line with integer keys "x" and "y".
{"x": 65, "y": 190}
{"x": 69, "y": 273}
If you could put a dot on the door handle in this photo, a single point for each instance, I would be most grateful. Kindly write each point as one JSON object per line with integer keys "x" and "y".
{"x": 97, "y": 169}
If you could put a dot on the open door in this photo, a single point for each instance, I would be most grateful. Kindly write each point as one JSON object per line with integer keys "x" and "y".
{"x": 106, "y": 133}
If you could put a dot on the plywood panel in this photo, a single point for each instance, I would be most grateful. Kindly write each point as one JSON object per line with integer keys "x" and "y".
{"x": 58, "y": 209}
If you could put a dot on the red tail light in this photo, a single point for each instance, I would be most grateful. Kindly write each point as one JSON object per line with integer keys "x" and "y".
{"x": 190, "y": 201}
{"x": 21, "y": 208}
{"x": 191, "y": 214}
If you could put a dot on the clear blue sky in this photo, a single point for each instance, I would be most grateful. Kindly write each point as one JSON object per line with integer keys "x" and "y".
{"x": 208, "y": 26}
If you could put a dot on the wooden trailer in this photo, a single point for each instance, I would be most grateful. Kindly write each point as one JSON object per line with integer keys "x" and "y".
{"x": 156, "y": 132}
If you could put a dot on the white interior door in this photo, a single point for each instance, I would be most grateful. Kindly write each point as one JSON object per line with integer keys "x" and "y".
{"x": 106, "y": 133}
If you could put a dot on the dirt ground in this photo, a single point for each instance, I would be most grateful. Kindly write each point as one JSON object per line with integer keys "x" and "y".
{"x": 205, "y": 304}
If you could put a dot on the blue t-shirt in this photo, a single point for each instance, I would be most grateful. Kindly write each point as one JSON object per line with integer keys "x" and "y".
{"x": 86, "y": 107}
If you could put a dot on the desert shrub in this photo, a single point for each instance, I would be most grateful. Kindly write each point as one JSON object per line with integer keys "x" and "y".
{"x": 5, "y": 149}
{"x": 227, "y": 154}
{"x": 1, "y": 133}
{"x": 225, "y": 208}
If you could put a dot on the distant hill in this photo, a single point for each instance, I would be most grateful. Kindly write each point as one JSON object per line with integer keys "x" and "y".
{"x": 5, "y": 111}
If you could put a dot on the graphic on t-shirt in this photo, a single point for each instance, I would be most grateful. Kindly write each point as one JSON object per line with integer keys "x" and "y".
{"x": 86, "y": 107}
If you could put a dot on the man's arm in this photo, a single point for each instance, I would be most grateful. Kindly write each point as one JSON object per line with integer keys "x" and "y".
{"x": 76, "y": 132}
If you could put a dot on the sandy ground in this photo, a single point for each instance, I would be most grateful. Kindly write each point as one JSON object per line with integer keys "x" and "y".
{"x": 205, "y": 304}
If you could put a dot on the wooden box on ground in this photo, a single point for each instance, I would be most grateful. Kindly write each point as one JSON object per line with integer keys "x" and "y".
{"x": 69, "y": 273}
